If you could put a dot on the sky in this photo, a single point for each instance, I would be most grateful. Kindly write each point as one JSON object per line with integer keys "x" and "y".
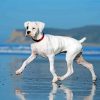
{"x": 63, "y": 14}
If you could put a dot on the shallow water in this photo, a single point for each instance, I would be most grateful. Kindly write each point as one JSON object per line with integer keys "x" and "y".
{"x": 35, "y": 82}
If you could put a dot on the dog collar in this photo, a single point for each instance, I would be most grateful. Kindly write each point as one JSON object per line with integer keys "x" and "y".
{"x": 39, "y": 39}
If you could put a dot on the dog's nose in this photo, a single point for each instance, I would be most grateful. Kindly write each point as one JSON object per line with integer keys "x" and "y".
{"x": 28, "y": 32}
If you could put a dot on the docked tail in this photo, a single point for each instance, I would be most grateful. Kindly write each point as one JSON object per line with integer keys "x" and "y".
{"x": 82, "y": 40}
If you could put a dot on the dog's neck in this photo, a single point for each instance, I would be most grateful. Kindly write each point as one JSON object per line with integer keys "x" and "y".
{"x": 39, "y": 37}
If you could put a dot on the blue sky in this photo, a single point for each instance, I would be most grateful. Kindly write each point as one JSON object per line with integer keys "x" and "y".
{"x": 63, "y": 14}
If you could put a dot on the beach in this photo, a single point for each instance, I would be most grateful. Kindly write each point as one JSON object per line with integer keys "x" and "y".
{"x": 35, "y": 82}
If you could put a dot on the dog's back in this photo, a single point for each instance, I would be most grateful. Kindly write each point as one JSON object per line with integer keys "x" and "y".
{"x": 62, "y": 43}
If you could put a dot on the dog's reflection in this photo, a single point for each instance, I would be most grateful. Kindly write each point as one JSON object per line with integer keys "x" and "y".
{"x": 20, "y": 94}
{"x": 57, "y": 86}
{"x": 68, "y": 92}
{"x": 93, "y": 90}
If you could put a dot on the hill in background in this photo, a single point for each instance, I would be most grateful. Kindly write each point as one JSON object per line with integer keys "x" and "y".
{"x": 91, "y": 32}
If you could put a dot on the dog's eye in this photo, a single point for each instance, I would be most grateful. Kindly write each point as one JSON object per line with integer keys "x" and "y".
{"x": 33, "y": 28}
{"x": 27, "y": 27}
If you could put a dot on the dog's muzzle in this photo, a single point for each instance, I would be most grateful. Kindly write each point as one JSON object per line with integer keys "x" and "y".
{"x": 28, "y": 32}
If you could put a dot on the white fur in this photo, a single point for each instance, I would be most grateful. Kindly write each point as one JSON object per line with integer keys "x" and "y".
{"x": 50, "y": 46}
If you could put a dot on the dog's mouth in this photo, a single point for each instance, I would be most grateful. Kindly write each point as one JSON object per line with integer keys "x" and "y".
{"x": 29, "y": 35}
{"x": 26, "y": 35}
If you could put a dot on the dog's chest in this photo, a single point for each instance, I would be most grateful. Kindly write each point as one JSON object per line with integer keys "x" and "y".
{"x": 42, "y": 49}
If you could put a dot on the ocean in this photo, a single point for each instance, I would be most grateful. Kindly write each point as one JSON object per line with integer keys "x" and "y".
{"x": 35, "y": 82}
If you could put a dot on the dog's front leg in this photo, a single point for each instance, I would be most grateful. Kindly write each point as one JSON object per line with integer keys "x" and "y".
{"x": 26, "y": 62}
{"x": 52, "y": 70}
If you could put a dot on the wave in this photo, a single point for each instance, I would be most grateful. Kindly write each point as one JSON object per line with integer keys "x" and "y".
{"x": 88, "y": 51}
{"x": 12, "y": 49}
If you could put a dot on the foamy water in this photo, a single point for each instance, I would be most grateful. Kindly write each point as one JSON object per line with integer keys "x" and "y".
{"x": 90, "y": 52}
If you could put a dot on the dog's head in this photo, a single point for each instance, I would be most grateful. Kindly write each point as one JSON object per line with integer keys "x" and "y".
{"x": 33, "y": 28}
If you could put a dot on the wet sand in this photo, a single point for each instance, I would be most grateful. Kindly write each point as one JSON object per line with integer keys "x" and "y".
{"x": 35, "y": 82}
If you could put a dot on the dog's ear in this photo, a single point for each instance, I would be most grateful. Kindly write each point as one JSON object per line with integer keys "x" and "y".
{"x": 41, "y": 26}
{"x": 26, "y": 24}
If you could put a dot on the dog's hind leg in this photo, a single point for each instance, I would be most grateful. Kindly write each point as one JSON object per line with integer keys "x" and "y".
{"x": 82, "y": 61}
{"x": 26, "y": 62}
{"x": 69, "y": 59}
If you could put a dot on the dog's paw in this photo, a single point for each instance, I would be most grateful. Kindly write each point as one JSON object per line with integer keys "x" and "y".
{"x": 18, "y": 72}
{"x": 60, "y": 78}
{"x": 55, "y": 79}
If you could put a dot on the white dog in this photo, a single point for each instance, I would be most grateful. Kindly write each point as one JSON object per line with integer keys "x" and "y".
{"x": 49, "y": 45}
